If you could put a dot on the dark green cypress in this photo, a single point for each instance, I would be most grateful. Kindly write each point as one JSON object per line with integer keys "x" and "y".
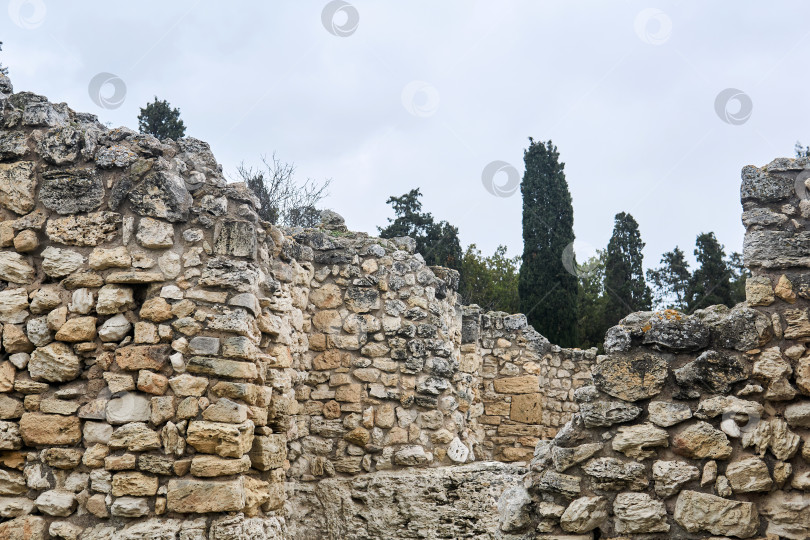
{"x": 711, "y": 282}
{"x": 548, "y": 292}
{"x": 625, "y": 287}
{"x": 159, "y": 119}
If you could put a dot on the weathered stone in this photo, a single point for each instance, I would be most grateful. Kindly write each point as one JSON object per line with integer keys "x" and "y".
{"x": 526, "y": 384}
{"x": 12, "y": 483}
{"x": 700, "y": 440}
{"x": 188, "y": 385}
{"x": 223, "y": 368}
{"x": 631, "y": 377}
{"x": 13, "y": 305}
{"x": 584, "y": 514}
{"x": 10, "y": 437}
{"x": 114, "y": 328}
{"x": 135, "y": 437}
{"x": 553, "y": 482}
{"x": 788, "y": 514}
{"x": 235, "y": 238}
{"x": 759, "y": 291}
{"x": 130, "y": 407}
{"x": 162, "y": 195}
{"x": 102, "y": 259}
{"x": 712, "y": 371}
{"x": 749, "y": 475}
{"x": 130, "y": 507}
{"x": 527, "y": 408}
{"x": 615, "y": 474}
{"x": 24, "y": 528}
{"x": 773, "y": 434}
{"x": 607, "y": 413}
{"x": 564, "y": 458}
{"x": 49, "y": 429}
{"x": 54, "y": 362}
{"x": 227, "y": 411}
{"x": 134, "y": 483}
{"x": 77, "y": 329}
{"x": 206, "y": 466}
{"x": 639, "y": 513}
{"x": 15, "y": 268}
{"x": 695, "y": 511}
{"x": 741, "y": 328}
{"x": 674, "y": 331}
{"x": 671, "y": 476}
{"x": 204, "y": 496}
{"x": 18, "y": 186}
{"x": 226, "y": 440}
{"x": 155, "y": 234}
{"x": 60, "y": 262}
{"x": 138, "y": 357}
{"x": 634, "y": 441}
{"x": 71, "y": 191}
{"x": 114, "y": 299}
{"x": 84, "y": 230}
{"x": 15, "y": 506}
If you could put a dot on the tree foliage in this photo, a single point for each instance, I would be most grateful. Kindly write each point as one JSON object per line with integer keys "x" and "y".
{"x": 626, "y": 290}
{"x": 548, "y": 292}
{"x": 437, "y": 241}
{"x": 284, "y": 200}
{"x": 801, "y": 151}
{"x": 159, "y": 119}
{"x": 670, "y": 281}
{"x": 710, "y": 283}
{"x": 592, "y": 301}
{"x": 491, "y": 282}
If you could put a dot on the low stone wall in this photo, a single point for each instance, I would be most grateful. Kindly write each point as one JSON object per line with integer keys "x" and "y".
{"x": 696, "y": 426}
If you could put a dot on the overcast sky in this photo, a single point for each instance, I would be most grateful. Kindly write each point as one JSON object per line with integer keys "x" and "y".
{"x": 383, "y": 97}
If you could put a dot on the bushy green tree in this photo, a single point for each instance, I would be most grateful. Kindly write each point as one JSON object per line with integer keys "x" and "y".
{"x": 671, "y": 280}
{"x": 592, "y": 299}
{"x": 710, "y": 283}
{"x": 626, "y": 290}
{"x": 491, "y": 282}
{"x": 548, "y": 292}
{"x": 437, "y": 241}
{"x": 159, "y": 119}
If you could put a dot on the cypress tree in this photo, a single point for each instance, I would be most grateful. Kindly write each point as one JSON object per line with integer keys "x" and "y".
{"x": 625, "y": 288}
{"x": 548, "y": 292}
{"x": 711, "y": 282}
{"x": 671, "y": 280}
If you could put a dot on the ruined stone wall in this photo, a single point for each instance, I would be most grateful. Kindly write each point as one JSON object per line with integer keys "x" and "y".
{"x": 695, "y": 426}
{"x": 144, "y": 383}
{"x": 173, "y": 367}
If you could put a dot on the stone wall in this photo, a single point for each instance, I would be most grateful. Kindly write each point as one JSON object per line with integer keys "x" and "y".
{"x": 696, "y": 426}
{"x": 173, "y": 367}
{"x": 147, "y": 334}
